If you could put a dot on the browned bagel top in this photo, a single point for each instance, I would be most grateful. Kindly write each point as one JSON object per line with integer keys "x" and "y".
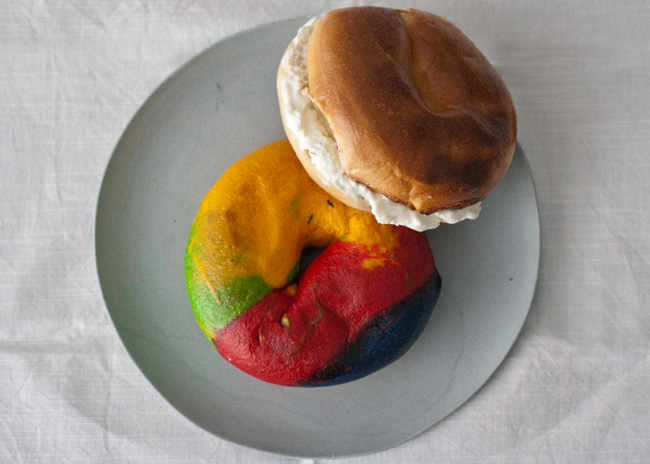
{"x": 418, "y": 113}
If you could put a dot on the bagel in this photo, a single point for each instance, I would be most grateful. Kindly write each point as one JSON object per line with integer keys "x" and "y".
{"x": 396, "y": 112}
{"x": 358, "y": 306}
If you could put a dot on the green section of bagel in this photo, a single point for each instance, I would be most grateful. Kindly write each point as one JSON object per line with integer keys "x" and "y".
{"x": 215, "y": 307}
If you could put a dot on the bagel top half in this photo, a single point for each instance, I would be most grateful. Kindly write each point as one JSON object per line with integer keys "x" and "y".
{"x": 397, "y": 112}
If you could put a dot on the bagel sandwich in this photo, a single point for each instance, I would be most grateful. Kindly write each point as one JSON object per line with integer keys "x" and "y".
{"x": 396, "y": 112}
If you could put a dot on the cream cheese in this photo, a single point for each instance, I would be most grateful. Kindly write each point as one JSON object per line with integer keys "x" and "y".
{"x": 313, "y": 133}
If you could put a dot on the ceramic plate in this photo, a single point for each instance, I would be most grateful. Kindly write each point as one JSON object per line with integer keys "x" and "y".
{"x": 215, "y": 109}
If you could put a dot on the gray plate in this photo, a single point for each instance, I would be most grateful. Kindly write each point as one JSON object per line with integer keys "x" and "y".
{"x": 218, "y": 107}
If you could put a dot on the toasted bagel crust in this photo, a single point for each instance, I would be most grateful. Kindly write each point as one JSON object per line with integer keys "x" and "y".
{"x": 417, "y": 112}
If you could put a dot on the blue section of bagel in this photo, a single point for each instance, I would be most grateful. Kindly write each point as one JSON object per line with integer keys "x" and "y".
{"x": 388, "y": 337}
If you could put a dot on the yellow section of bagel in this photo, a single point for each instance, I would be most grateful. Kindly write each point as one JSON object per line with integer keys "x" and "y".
{"x": 262, "y": 212}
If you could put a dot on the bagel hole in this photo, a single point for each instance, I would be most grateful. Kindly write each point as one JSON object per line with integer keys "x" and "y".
{"x": 307, "y": 256}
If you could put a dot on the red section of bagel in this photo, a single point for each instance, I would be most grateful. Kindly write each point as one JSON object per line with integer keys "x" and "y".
{"x": 285, "y": 339}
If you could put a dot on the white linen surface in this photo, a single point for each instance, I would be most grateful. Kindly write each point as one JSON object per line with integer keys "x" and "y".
{"x": 576, "y": 385}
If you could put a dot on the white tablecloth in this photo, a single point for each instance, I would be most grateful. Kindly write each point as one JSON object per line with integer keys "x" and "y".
{"x": 574, "y": 388}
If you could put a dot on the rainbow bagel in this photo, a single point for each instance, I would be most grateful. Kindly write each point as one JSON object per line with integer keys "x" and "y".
{"x": 358, "y": 306}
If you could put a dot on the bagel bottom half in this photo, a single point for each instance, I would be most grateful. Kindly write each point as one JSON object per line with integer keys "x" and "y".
{"x": 358, "y": 306}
